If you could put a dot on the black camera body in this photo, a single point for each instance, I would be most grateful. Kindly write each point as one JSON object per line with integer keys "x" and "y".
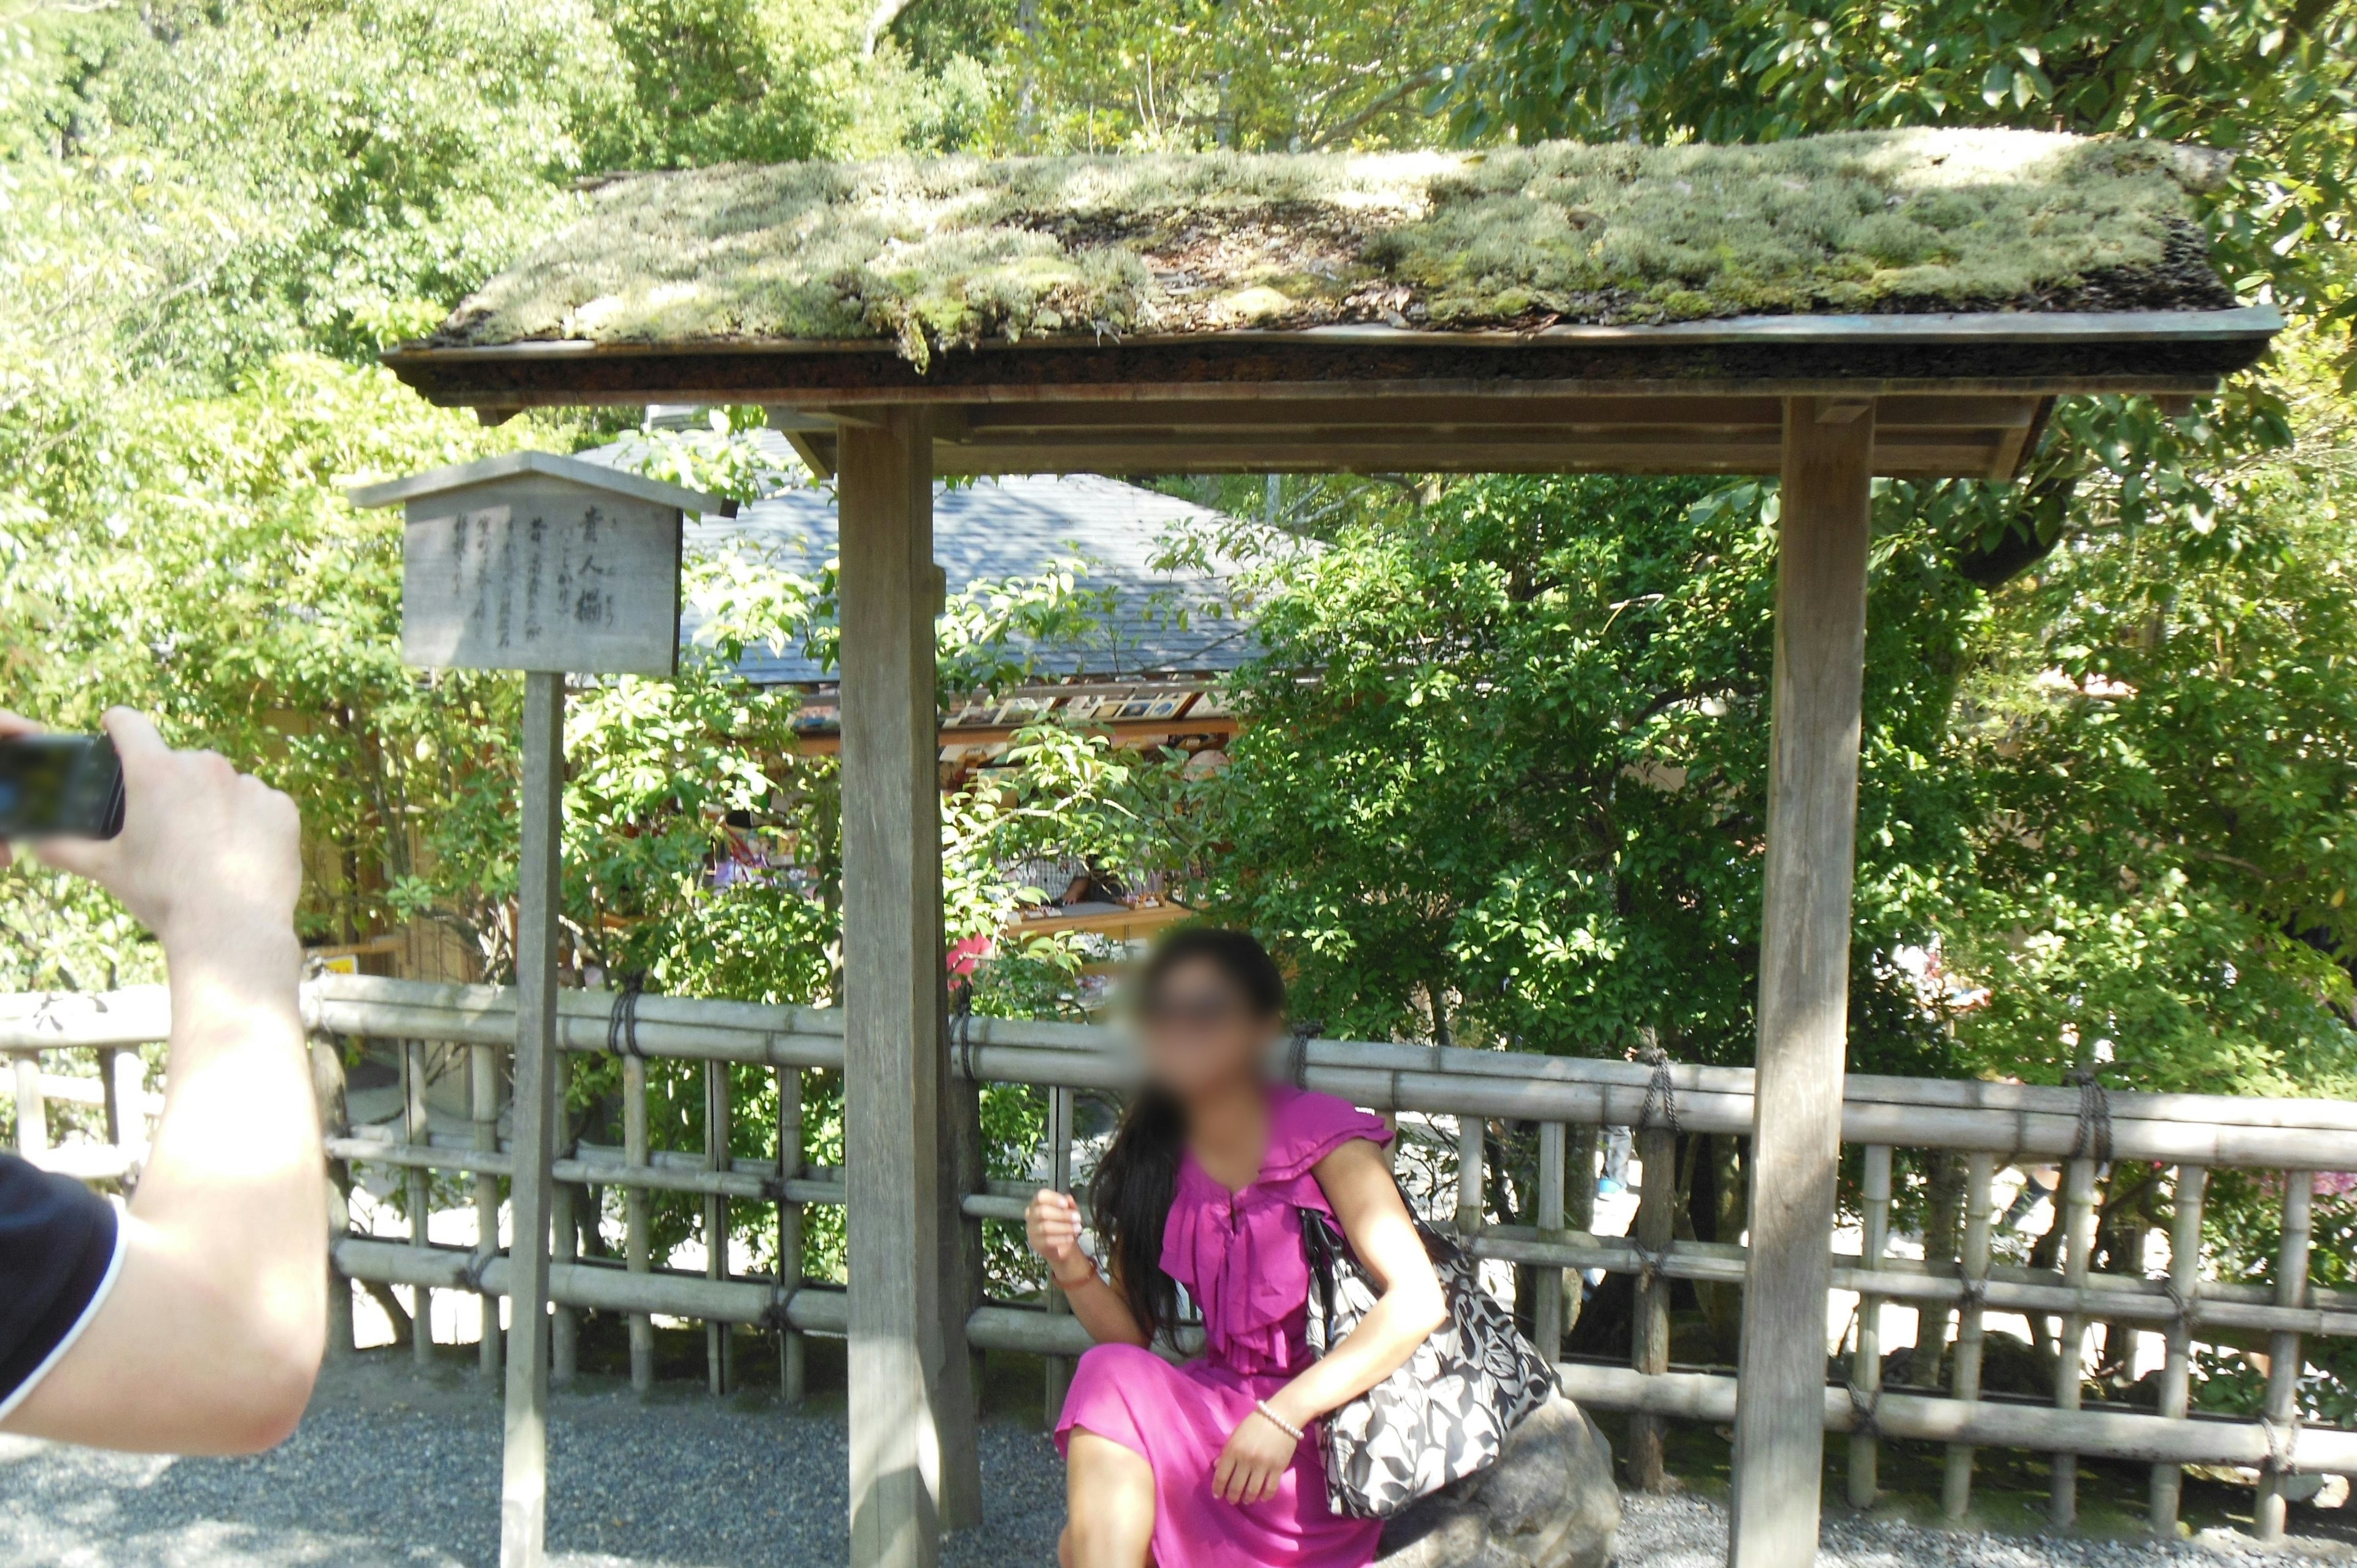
{"x": 59, "y": 786}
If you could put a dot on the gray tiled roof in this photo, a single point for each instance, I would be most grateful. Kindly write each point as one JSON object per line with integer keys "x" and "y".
{"x": 991, "y": 530}
{"x": 1017, "y": 527}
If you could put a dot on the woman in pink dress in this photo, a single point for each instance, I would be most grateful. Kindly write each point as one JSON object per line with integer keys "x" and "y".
{"x": 1215, "y": 1464}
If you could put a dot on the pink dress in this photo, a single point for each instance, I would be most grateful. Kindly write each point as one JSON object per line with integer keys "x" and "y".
{"x": 1239, "y": 1254}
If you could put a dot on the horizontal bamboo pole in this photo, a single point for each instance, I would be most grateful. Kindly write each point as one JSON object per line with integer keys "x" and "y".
{"x": 2109, "y": 1435}
{"x": 2028, "y": 1120}
{"x": 1907, "y": 1280}
{"x": 603, "y": 1287}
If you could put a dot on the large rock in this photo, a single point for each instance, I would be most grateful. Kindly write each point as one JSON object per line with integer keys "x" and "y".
{"x": 1548, "y": 1502}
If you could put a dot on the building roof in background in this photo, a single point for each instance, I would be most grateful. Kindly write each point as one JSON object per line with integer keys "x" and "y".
{"x": 1019, "y": 526}
{"x": 927, "y": 252}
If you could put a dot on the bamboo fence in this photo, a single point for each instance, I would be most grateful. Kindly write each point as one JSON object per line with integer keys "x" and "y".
{"x": 1989, "y": 1124}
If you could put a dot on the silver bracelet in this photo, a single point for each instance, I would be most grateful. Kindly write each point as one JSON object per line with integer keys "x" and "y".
{"x": 1279, "y": 1422}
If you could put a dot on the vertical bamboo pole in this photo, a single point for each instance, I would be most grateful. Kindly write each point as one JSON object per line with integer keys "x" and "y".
{"x": 1804, "y": 979}
{"x": 2078, "y": 1219}
{"x": 1648, "y": 1330}
{"x": 1865, "y": 1361}
{"x": 1060, "y": 1177}
{"x": 715, "y": 1220}
{"x": 1579, "y": 1212}
{"x": 1546, "y": 1313}
{"x": 483, "y": 1097}
{"x": 2177, "y": 1372}
{"x": 418, "y": 1184}
{"x": 523, "y": 1471}
{"x": 127, "y": 1079}
{"x": 636, "y": 1215}
{"x": 32, "y": 1111}
{"x": 565, "y": 1221}
{"x": 1470, "y": 1157}
{"x": 109, "y": 1099}
{"x": 1973, "y": 1265}
{"x": 911, "y": 1415}
{"x": 2285, "y": 1358}
{"x": 792, "y": 1369}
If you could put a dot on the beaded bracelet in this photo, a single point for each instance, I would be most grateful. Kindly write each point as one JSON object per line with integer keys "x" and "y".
{"x": 1279, "y": 1422}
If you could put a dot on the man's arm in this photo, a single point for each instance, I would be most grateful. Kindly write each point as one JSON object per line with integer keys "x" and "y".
{"x": 209, "y": 1339}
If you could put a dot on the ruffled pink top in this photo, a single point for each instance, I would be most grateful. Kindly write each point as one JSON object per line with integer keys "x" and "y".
{"x": 1239, "y": 1254}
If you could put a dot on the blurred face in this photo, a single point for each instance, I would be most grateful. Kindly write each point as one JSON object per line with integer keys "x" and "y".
{"x": 1199, "y": 1031}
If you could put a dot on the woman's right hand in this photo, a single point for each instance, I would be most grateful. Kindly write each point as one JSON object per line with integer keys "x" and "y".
{"x": 1052, "y": 1225}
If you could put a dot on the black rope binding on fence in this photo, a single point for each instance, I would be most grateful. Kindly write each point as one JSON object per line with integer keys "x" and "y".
{"x": 961, "y": 1028}
{"x": 1297, "y": 1055}
{"x": 2094, "y": 1131}
{"x": 1971, "y": 1292}
{"x": 1650, "y": 1264}
{"x": 1661, "y": 1090}
{"x": 1865, "y": 1404}
{"x": 773, "y": 1317}
{"x": 471, "y": 1271}
{"x": 623, "y": 1019}
{"x": 2282, "y": 1438}
{"x": 2180, "y": 1306}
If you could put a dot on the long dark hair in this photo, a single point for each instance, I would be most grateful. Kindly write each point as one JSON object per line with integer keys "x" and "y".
{"x": 1138, "y": 1178}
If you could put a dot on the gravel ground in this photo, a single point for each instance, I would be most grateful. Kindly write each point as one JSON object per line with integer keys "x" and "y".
{"x": 389, "y": 1470}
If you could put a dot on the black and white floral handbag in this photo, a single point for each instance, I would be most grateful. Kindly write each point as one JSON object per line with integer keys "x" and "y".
{"x": 1445, "y": 1412}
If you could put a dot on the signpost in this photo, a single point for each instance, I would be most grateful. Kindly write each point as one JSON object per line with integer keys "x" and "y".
{"x": 549, "y": 565}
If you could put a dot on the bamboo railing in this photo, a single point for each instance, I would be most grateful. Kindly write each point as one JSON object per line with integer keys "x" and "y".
{"x": 1989, "y": 1124}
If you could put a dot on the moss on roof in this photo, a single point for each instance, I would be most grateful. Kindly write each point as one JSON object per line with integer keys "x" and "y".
{"x": 926, "y": 253}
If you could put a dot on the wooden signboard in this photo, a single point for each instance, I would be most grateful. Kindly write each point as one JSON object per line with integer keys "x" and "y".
{"x": 549, "y": 565}
{"x": 540, "y": 563}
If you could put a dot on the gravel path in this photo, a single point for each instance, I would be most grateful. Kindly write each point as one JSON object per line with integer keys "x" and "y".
{"x": 390, "y": 1471}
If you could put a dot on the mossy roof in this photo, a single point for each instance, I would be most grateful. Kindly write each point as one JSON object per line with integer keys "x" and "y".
{"x": 924, "y": 253}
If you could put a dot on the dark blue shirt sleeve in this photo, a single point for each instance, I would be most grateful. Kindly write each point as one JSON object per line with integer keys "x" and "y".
{"x": 57, "y": 1253}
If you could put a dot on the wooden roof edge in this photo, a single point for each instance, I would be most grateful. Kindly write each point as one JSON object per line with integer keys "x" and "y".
{"x": 2260, "y": 320}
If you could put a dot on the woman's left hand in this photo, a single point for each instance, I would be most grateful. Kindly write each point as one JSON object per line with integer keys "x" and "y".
{"x": 1256, "y": 1457}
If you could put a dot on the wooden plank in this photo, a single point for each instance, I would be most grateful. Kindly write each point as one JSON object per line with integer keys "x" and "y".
{"x": 2285, "y": 1361}
{"x": 987, "y": 423}
{"x": 417, "y": 1192}
{"x": 1969, "y": 455}
{"x": 1803, "y": 981}
{"x": 716, "y": 1340}
{"x": 483, "y": 1099}
{"x": 2177, "y": 1372}
{"x": 892, "y": 977}
{"x": 792, "y": 1352}
{"x": 1649, "y": 1337}
{"x": 1972, "y": 1264}
{"x": 638, "y": 1217}
{"x": 1546, "y": 1311}
{"x": 2076, "y": 1215}
{"x": 523, "y": 1477}
{"x": 1060, "y": 1177}
{"x": 1866, "y": 1358}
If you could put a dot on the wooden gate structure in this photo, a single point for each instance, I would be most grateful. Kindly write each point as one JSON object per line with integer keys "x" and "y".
{"x": 1904, "y": 304}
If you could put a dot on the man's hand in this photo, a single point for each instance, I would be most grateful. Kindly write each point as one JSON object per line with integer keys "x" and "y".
{"x": 209, "y": 1339}
{"x": 206, "y": 854}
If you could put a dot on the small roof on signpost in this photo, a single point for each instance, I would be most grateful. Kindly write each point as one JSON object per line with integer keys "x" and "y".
{"x": 542, "y": 465}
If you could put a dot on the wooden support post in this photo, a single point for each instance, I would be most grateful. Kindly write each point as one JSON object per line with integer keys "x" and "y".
{"x": 417, "y": 1185}
{"x": 1972, "y": 1264}
{"x": 792, "y": 1367}
{"x": 1865, "y": 1359}
{"x": 2285, "y": 1357}
{"x": 1546, "y": 1311}
{"x": 32, "y": 1110}
{"x": 2077, "y": 1216}
{"x": 2177, "y": 1372}
{"x": 1803, "y": 978}
{"x": 1649, "y": 1331}
{"x": 523, "y": 1485}
{"x": 1579, "y": 1211}
{"x": 911, "y": 1411}
{"x": 715, "y": 1222}
{"x": 638, "y": 1219}
{"x": 564, "y": 1200}
{"x": 127, "y": 1079}
{"x": 483, "y": 1099}
{"x": 1472, "y": 1157}
{"x": 1060, "y": 1177}
{"x": 328, "y": 1087}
